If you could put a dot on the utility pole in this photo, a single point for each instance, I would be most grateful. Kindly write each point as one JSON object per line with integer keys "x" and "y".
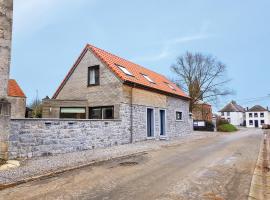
{"x": 6, "y": 17}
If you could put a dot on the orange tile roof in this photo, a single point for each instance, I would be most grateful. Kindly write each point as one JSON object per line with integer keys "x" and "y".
{"x": 14, "y": 89}
{"x": 161, "y": 83}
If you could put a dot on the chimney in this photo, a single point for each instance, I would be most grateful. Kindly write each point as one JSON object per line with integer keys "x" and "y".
{"x": 247, "y": 108}
{"x": 6, "y": 11}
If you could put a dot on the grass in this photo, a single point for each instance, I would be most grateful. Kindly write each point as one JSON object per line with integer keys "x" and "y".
{"x": 227, "y": 128}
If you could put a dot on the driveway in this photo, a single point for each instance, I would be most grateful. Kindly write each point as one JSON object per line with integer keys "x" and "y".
{"x": 211, "y": 168}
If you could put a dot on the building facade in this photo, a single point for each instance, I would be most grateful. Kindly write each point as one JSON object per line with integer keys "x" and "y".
{"x": 233, "y": 113}
{"x": 102, "y": 86}
{"x": 202, "y": 112}
{"x": 257, "y": 116}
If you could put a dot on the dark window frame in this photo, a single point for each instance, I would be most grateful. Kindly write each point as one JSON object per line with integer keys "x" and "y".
{"x": 101, "y": 108}
{"x": 60, "y": 113}
{"x": 180, "y": 115}
{"x": 97, "y": 75}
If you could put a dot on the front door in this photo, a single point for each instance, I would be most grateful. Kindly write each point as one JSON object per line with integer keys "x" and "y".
{"x": 150, "y": 122}
{"x": 256, "y": 123}
{"x": 162, "y": 122}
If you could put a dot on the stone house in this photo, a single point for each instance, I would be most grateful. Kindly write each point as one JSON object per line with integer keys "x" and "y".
{"x": 234, "y": 113}
{"x": 103, "y": 86}
{"x": 257, "y": 116}
{"x": 17, "y": 99}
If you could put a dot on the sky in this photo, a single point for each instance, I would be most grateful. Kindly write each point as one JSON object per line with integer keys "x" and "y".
{"x": 48, "y": 36}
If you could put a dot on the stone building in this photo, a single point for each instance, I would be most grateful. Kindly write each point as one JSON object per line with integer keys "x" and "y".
{"x": 102, "y": 86}
{"x": 17, "y": 99}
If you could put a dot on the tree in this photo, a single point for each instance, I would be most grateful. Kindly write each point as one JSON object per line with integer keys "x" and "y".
{"x": 203, "y": 77}
{"x": 36, "y": 107}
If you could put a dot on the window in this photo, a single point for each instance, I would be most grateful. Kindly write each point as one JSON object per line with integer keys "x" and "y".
{"x": 255, "y": 114}
{"x": 179, "y": 116}
{"x": 262, "y": 114}
{"x": 73, "y": 113}
{"x": 229, "y": 120}
{"x": 228, "y": 113}
{"x": 93, "y": 75}
{"x": 125, "y": 70}
{"x": 170, "y": 86}
{"x": 106, "y": 112}
{"x": 262, "y": 122}
{"x": 250, "y": 115}
{"x": 222, "y": 113}
{"x": 250, "y": 122}
{"x": 148, "y": 78}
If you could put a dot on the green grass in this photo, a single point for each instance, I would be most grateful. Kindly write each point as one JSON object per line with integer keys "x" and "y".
{"x": 227, "y": 128}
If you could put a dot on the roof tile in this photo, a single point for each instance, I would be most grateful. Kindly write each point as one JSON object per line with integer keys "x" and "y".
{"x": 14, "y": 89}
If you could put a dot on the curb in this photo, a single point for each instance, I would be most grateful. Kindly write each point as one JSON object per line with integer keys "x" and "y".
{"x": 57, "y": 172}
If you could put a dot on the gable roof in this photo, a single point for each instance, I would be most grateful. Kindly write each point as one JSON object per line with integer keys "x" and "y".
{"x": 232, "y": 107}
{"x": 257, "y": 108}
{"x": 161, "y": 83}
{"x": 14, "y": 89}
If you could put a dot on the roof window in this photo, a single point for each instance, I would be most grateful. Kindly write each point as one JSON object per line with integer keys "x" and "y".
{"x": 148, "y": 78}
{"x": 170, "y": 86}
{"x": 123, "y": 69}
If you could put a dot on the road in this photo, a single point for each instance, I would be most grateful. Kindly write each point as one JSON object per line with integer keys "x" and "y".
{"x": 214, "y": 168}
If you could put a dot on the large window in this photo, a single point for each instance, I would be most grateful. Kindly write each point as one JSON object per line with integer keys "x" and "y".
{"x": 106, "y": 112}
{"x": 93, "y": 75}
{"x": 73, "y": 113}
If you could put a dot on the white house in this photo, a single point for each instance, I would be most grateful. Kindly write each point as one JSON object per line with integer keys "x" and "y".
{"x": 257, "y": 116}
{"x": 234, "y": 113}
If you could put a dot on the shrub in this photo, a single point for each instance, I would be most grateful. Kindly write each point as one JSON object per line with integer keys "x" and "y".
{"x": 226, "y": 128}
{"x": 221, "y": 122}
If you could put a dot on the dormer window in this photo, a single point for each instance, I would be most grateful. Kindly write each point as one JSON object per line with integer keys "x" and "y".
{"x": 123, "y": 69}
{"x": 148, "y": 78}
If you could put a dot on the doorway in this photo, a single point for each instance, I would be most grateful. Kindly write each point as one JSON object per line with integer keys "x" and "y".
{"x": 256, "y": 123}
{"x": 150, "y": 122}
{"x": 162, "y": 125}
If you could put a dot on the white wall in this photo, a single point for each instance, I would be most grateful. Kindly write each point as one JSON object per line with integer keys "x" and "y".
{"x": 266, "y": 118}
{"x": 235, "y": 118}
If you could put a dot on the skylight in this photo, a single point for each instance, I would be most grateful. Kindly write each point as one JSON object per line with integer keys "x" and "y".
{"x": 169, "y": 85}
{"x": 148, "y": 78}
{"x": 123, "y": 69}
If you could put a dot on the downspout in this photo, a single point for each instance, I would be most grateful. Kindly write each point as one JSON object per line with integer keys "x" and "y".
{"x": 131, "y": 114}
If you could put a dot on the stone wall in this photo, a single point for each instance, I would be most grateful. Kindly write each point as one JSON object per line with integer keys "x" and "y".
{"x": 18, "y": 106}
{"x": 40, "y": 137}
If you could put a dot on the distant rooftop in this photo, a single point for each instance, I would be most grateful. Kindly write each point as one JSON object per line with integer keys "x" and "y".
{"x": 232, "y": 107}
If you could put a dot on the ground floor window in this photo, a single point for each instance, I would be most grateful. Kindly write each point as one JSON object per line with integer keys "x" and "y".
{"x": 73, "y": 113}
{"x": 250, "y": 122}
{"x": 262, "y": 122}
{"x": 104, "y": 112}
{"x": 179, "y": 115}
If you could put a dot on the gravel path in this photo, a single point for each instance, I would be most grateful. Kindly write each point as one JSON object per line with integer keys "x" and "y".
{"x": 44, "y": 165}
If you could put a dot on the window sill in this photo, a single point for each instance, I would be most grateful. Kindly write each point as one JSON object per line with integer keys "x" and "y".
{"x": 151, "y": 138}
{"x": 179, "y": 120}
{"x": 163, "y": 137}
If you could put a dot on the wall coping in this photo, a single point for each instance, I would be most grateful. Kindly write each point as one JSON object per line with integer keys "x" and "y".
{"x": 66, "y": 120}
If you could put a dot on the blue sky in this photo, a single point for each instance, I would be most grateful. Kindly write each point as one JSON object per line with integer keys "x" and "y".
{"x": 50, "y": 34}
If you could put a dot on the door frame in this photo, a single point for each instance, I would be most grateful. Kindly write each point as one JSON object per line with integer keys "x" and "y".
{"x": 256, "y": 123}
{"x": 154, "y": 124}
{"x": 165, "y": 123}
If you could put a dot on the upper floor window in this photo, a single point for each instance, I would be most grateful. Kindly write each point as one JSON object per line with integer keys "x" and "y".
{"x": 250, "y": 115}
{"x": 228, "y": 113}
{"x": 262, "y": 114}
{"x": 255, "y": 114}
{"x": 93, "y": 75}
{"x": 222, "y": 113}
{"x": 148, "y": 78}
{"x": 123, "y": 69}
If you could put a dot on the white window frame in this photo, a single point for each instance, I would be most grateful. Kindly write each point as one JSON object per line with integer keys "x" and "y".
{"x": 148, "y": 78}
{"x": 154, "y": 119}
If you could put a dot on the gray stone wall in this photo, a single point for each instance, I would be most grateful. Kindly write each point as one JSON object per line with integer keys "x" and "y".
{"x": 18, "y": 105}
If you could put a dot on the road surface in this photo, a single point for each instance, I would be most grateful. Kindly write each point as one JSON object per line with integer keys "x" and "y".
{"x": 212, "y": 168}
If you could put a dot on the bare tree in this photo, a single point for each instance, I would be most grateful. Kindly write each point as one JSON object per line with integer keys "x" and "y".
{"x": 203, "y": 77}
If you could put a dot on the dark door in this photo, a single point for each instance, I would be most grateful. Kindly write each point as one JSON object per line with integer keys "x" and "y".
{"x": 150, "y": 122}
{"x": 162, "y": 122}
{"x": 256, "y": 123}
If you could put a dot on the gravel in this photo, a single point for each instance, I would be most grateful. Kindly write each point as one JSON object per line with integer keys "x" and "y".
{"x": 40, "y": 166}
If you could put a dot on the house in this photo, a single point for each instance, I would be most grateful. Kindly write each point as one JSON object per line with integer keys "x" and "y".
{"x": 202, "y": 111}
{"x": 17, "y": 99}
{"x": 257, "y": 116}
{"x": 103, "y": 86}
{"x": 234, "y": 113}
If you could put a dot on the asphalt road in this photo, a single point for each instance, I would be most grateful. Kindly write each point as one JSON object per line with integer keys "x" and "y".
{"x": 213, "y": 168}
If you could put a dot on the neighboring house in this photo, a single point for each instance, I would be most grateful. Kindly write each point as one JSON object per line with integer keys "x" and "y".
{"x": 103, "y": 86}
{"x": 202, "y": 112}
{"x": 234, "y": 113}
{"x": 17, "y": 99}
{"x": 257, "y": 116}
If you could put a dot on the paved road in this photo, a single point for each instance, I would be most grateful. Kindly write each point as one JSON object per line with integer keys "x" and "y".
{"x": 213, "y": 168}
